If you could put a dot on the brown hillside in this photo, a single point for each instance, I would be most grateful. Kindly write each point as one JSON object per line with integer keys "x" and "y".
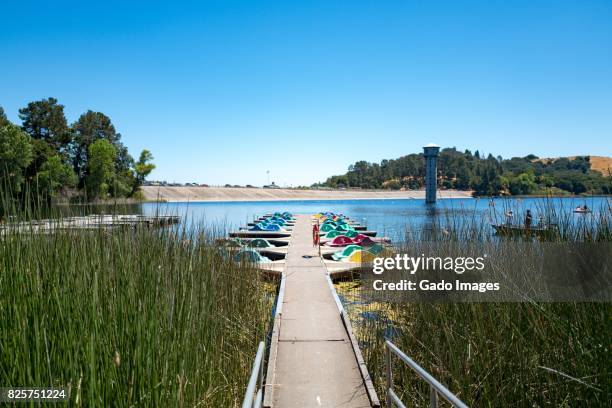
{"x": 601, "y": 164}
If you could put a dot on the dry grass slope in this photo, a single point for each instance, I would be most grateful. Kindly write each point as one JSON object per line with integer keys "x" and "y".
{"x": 602, "y": 164}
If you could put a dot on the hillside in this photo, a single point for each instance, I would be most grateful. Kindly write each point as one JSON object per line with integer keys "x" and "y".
{"x": 486, "y": 176}
{"x": 601, "y": 164}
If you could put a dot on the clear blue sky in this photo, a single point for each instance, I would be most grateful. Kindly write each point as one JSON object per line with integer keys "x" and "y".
{"x": 222, "y": 91}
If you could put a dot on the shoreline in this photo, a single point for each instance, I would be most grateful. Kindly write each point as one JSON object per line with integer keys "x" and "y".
{"x": 243, "y": 194}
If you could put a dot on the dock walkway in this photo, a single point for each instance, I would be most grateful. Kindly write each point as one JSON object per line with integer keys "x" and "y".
{"x": 314, "y": 364}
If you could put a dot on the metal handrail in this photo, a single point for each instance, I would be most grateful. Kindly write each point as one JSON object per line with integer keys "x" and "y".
{"x": 251, "y": 398}
{"x": 435, "y": 387}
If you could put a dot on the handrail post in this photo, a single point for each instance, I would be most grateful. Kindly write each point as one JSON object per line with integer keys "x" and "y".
{"x": 255, "y": 378}
{"x": 261, "y": 371}
{"x": 433, "y": 397}
{"x": 389, "y": 375}
{"x": 436, "y": 389}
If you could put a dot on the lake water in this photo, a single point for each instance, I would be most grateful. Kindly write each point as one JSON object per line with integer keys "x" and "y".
{"x": 389, "y": 217}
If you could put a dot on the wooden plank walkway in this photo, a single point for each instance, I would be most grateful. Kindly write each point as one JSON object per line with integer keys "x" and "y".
{"x": 314, "y": 364}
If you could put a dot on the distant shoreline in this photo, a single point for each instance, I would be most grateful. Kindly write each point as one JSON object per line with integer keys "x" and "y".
{"x": 238, "y": 194}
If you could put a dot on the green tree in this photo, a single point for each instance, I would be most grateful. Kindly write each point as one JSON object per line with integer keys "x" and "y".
{"x": 125, "y": 181}
{"x": 3, "y": 119}
{"x": 90, "y": 127}
{"x": 489, "y": 183}
{"x": 45, "y": 120}
{"x": 101, "y": 168}
{"x": 54, "y": 175}
{"x": 464, "y": 174}
{"x": 143, "y": 167}
{"x": 41, "y": 152}
{"x": 123, "y": 184}
{"x": 124, "y": 160}
{"x": 523, "y": 184}
{"x": 15, "y": 156}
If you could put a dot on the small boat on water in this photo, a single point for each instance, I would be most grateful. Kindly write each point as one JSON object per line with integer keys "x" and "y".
{"x": 522, "y": 231}
{"x": 582, "y": 210}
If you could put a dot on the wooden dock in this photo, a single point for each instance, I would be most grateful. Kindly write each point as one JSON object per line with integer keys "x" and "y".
{"x": 89, "y": 222}
{"x": 314, "y": 360}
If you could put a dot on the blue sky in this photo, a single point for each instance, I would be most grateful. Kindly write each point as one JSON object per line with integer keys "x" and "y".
{"x": 220, "y": 92}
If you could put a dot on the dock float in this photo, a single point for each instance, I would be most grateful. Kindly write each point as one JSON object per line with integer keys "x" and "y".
{"x": 314, "y": 360}
{"x": 90, "y": 222}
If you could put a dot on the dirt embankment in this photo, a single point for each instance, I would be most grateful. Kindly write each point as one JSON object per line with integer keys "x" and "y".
{"x": 182, "y": 194}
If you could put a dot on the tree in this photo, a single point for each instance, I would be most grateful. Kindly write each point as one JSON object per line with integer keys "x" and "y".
{"x": 15, "y": 156}
{"x": 488, "y": 182}
{"x": 90, "y": 127}
{"x": 393, "y": 184}
{"x": 54, "y": 175}
{"x": 143, "y": 167}
{"x": 3, "y": 119}
{"x": 523, "y": 184}
{"x": 464, "y": 174}
{"x": 45, "y": 120}
{"x": 101, "y": 168}
{"x": 124, "y": 161}
{"x": 41, "y": 152}
{"x": 125, "y": 181}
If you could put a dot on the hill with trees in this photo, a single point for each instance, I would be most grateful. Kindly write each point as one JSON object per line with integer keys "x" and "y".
{"x": 47, "y": 158}
{"x": 485, "y": 176}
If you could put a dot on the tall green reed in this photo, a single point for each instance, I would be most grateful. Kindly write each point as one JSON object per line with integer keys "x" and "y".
{"x": 128, "y": 317}
{"x": 493, "y": 354}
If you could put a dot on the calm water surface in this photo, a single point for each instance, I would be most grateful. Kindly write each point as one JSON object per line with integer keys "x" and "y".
{"x": 388, "y": 217}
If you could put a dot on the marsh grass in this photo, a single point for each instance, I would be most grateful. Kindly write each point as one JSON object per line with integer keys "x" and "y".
{"x": 129, "y": 317}
{"x": 510, "y": 354}
{"x": 492, "y": 354}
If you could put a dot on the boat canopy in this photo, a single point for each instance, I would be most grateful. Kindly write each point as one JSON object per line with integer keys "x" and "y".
{"x": 250, "y": 255}
{"x": 259, "y": 243}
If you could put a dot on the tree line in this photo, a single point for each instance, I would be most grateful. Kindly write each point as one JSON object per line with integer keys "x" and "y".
{"x": 86, "y": 159}
{"x": 486, "y": 176}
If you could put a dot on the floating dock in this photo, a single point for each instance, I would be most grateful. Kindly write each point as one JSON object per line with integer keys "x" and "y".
{"x": 260, "y": 234}
{"x": 314, "y": 359}
{"x": 89, "y": 222}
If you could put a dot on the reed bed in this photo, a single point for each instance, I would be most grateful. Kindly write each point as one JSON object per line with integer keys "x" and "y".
{"x": 129, "y": 317}
{"x": 491, "y": 355}
{"x": 519, "y": 354}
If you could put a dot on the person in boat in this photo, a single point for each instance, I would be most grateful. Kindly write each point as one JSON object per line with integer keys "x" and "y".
{"x": 509, "y": 215}
{"x": 528, "y": 219}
